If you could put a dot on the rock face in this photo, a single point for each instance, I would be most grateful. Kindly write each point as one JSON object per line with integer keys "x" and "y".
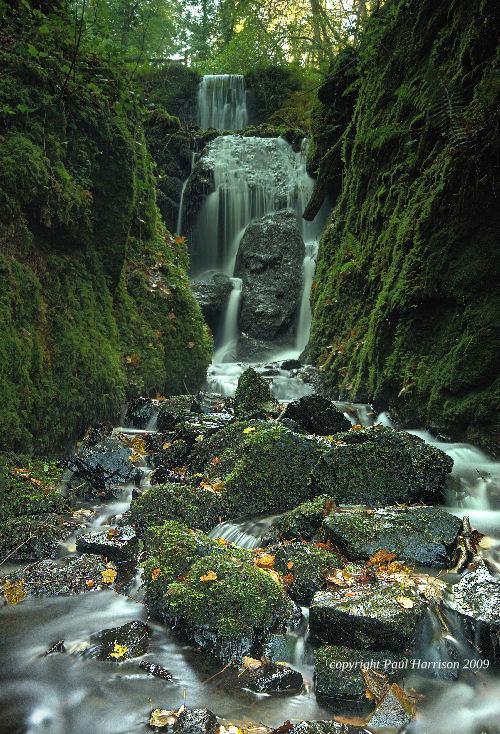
{"x": 269, "y": 262}
{"x": 196, "y": 507}
{"x": 212, "y": 292}
{"x": 121, "y": 643}
{"x": 141, "y": 412}
{"x": 316, "y": 414}
{"x": 305, "y": 565}
{"x": 369, "y": 618}
{"x": 120, "y": 544}
{"x": 422, "y": 535}
{"x": 475, "y": 603}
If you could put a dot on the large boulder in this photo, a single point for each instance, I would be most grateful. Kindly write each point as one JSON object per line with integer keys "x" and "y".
{"x": 50, "y": 578}
{"x": 421, "y": 535}
{"x": 305, "y": 566}
{"x": 367, "y": 617}
{"x": 104, "y": 466}
{"x": 381, "y": 466}
{"x": 130, "y": 640}
{"x": 120, "y": 544}
{"x": 176, "y": 409}
{"x": 195, "y": 507}
{"x": 316, "y": 414}
{"x": 269, "y": 262}
{"x": 253, "y": 396}
{"x": 212, "y": 291}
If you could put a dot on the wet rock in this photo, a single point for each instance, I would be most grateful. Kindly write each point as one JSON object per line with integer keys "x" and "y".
{"x": 304, "y": 521}
{"x": 119, "y": 544}
{"x": 104, "y": 465}
{"x": 250, "y": 349}
{"x": 176, "y": 409}
{"x": 306, "y": 564}
{"x": 195, "y": 721}
{"x": 338, "y": 676}
{"x": 141, "y": 412}
{"x": 96, "y": 434}
{"x": 381, "y": 466}
{"x": 172, "y": 454}
{"x": 271, "y": 678}
{"x": 215, "y": 403}
{"x": 324, "y": 727}
{"x": 50, "y": 578}
{"x": 212, "y": 291}
{"x": 366, "y": 617}
{"x": 222, "y": 602}
{"x": 290, "y": 364}
{"x": 162, "y": 475}
{"x": 195, "y": 507}
{"x": 253, "y": 396}
{"x": 269, "y": 262}
{"x": 421, "y": 535}
{"x": 157, "y": 670}
{"x": 473, "y": 607}
{"x": 56, "y": 647}
{"x": 128, "y": 641}
{"x": 389, "y": 712}
{"x": 32, "y": 537}
{"x": 316, "y": 414}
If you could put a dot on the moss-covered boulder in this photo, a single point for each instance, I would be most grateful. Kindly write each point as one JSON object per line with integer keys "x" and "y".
{"x": 338, "y": 676}
{"x": 211, "y": 594}
{"x": 304, "y": 521}
{"x": 117, "y": 644}
{"x": 32, "y": 537}
{"x": 195, "y": 507}
{"x": 381, "y": 466}
{"x": 307, "y": 565}
{"x": 51, "y": 578}
{"x": 253, "y": 396}
{"x": 174, "y": 410}
{"x": 367, "y": 617}
{"x": 316, "y": 414}
{"x": 425, "y": 536}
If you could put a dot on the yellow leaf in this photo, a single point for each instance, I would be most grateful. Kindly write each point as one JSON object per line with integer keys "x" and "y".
{"x": 251, "y": 663}
{"x": 289, "y": 565}
{"x": 265, "y": 560}
{"x": 405, "y": 602}
{"x": 14, "y": 592}
{"x": 199, "y": 438}
{"x": 273, "y": 574}
{"x": 155, "y": 573}
{"x": 108, "y": 575}
{"x": 249, "y": 429}
{"x": 161, "y": 717}
{"x": 179, "y": 240}
{"x": 221, "y": 541}
{"x": 211, "y": 576}
{"x": 119, "y": 651}
{"x": 216, "y": 460}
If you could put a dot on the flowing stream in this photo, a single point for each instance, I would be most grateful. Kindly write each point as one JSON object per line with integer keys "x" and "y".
{"x": 66, "y": 693}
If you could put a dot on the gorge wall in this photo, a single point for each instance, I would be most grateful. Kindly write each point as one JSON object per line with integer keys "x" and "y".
{"x": 405, "y": 299}
{"x": 95, "y": 305}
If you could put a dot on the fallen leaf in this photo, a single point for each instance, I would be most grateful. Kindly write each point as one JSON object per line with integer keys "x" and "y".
{"x": 381, "y": 557}
{"x": 251, "y": 663}
{"x": 90, "y": 583}
{"x": 287, "y": 581}
{"x": 289, "y": 565}
{"x": 199, "y": 438}
{"x": 112, "y": 533}
{"x": 119, "y": 651}
{"x": 155, "y": 573}
{"x": 273, "y": 574}
{"x": 222, "y": 541}
{"x": 14, "y": 592}
{"x": 405, "y": 602}
{"x": 216, "y": 460}
{"x": 249, "y": 429}
{"x": 266, "y": 560}
{"x": 161, "y": 718}
{"x": 179, "y": 240}
{"x": 108, "y": 575}
{"x": 377, "y": 684}
{"x": 210, "y": 576}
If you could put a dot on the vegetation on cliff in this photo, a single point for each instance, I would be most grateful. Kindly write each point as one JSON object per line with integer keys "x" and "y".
{"x": 405, "y": 310}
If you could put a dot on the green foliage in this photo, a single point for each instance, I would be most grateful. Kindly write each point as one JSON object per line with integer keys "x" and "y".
{"x": 195, "y": 507}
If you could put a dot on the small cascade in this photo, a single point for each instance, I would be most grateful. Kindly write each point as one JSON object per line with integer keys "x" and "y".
{"x": 252, "y": 177}
{"x": 226, "y": 351}
{"x": 246, "y": 534}
{"x": 222, "y": 102}
{"x": 178, "y": 228}
{"x": 305, "y": 313}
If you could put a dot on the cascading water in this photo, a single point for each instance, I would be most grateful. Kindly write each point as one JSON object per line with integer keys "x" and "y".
{"x": 222, "y": 102}
{"x": 178, "y": 229}
{"x": 230, "y": 330}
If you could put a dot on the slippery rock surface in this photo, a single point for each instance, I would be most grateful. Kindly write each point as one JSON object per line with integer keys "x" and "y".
{"x": 324, "y": 727}
{"x": 422, "y": 535}
{"x": 366, "y": 617}
{"x": 269, "y": 262}
{"x": 212, "y": 291}
{"x": 271, "y": 678}
{"x": 474, "y": 604}
{"x": 49, "y": 578}
{"x": 195, "y": 721}
{"x": 128, "y": 641}
{"x": 120, "y": 544}
{"x": 141, "y": 412}
{"x": 316, "y": 414}
{"x": 337, "y": 671}
{"x": 104, "y": 465}
{"x": 176, "y": 409}
{"x": 305, "y": 566}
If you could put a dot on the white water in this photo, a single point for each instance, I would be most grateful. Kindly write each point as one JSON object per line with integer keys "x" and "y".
{"x": 222, "y": 102}
{"x": 230, "y": 329}
{"x": 178, "y": 229}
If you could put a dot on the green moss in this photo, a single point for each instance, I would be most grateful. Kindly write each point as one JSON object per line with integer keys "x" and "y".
{"x": 196, "y": 508}
{"x": 408, "y": 317}
{"x": 253, "y": 396}
{"x": 28, "y": 487}
{"x": 304, "y": 521}
{"x": 310, "y": 563}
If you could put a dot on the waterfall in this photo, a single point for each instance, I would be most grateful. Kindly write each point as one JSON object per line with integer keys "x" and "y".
{"x": 178, "y": 229}
{"x": 230, "y": 330}
{"x": 222, "y": 102}
{"x": 252, "y": 177}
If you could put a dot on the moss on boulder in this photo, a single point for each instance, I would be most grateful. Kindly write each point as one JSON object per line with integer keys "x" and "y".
{"x": 195, "y": 507}
{"x": 304, "y": 521}
{"x": 253, "y": 396}
{"x": 307, "y": 564}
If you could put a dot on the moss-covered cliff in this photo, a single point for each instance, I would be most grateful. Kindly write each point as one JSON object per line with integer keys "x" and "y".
{"x": 94, "y": 298}
{"x": 406, "y": 303}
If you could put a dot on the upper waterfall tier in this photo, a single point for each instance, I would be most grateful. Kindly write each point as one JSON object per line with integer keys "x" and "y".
{"x": 222, "y": 102}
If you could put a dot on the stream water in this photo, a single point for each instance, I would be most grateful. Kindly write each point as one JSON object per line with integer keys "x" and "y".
{"x": 69, "y": 693}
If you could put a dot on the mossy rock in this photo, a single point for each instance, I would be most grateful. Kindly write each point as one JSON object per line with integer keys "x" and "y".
{"x": 32, "y": 537}
{"x": 425, "y": 536}
{"x": 49, "y": 578}
{"x": 174, "y": 410}
{"x": 229, "y": 615}
{"x": 174, "y": 455}
{"x": 309, "y": 563}
{"x": 194, "y": 507}
{"x": 304, "y": 521}
{"x": 117, "y": 644}
{"x": 316, "y": 414}
{"x": 253, "y": 396}
{"x": 381, "y": 466}
{"x": 367, "y": 617}
{"x": 29, "y": 486}
{"x": 338, "y": 676}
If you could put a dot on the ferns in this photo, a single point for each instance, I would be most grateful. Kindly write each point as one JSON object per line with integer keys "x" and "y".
{"x": 445, "y": 106}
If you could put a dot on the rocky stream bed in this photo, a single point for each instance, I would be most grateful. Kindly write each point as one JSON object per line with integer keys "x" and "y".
{"x": 224, "y": 564}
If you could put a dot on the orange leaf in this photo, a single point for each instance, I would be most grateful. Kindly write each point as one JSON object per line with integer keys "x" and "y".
{"x": 179, "y": 240}
{"x": 222, "y": 541}
{"x": 266, "y": 560}
{"x": 289, "y": 565}
{"x": 89, "y": 582}
{"x": 211, "y": 576}
{"x": 287, "y": 580}
{"x": 216, "y": 460}
{"x": 171, "y": 315}
{"x": 112, "y": 532}
{"x": 273, "y": 574}
{"x": 155, "y": 573}
{"x": 382, "y": 556}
